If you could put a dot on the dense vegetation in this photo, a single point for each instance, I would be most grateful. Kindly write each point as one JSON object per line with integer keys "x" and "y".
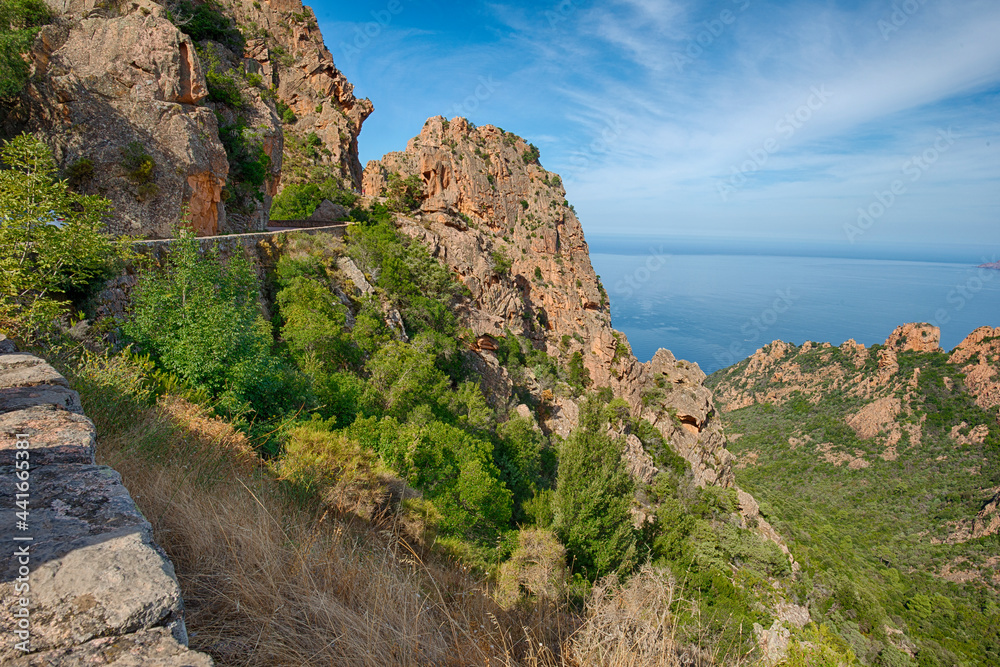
{"x": 360, "y": 395}
{"x": 876, "y": 539}
{"x": 20, "y": 21}
{"x": 51, "y": 240}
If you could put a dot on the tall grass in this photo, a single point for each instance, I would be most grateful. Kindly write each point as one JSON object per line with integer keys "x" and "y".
{"x": 272, "y": 578}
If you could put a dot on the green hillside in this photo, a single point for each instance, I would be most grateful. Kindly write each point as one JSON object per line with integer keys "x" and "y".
{"x": 874, "y": 465}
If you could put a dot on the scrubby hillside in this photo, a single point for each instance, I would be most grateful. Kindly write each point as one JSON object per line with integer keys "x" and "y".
{"x": 881, "y": 466}
{"x": 489, "y": 211}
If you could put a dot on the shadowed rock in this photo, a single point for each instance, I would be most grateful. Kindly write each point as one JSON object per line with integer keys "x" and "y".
{"x": 54, "y": 436}
{"x": 94, "y": 568}
{"x": 147, "y": 647}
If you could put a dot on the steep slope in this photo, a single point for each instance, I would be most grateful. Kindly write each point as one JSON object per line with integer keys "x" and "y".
{"x": 501, "y": 222}
{"x": 882, "y": 467}
{"x": 121, "y": 93}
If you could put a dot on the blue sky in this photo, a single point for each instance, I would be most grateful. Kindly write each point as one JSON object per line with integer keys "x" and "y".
{"x": 736, "y": 118}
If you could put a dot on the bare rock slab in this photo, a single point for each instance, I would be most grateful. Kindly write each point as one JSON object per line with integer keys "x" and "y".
{"x": 147, "y": 647}
{"x": 94, "y": 570}
{"x": 26, "y": 370}
{"x": 19, "y": 398}
{"x": 53, "y": 436}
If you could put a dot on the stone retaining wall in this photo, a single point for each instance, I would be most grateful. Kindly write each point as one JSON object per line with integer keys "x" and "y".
{"x": 98, "y": 590}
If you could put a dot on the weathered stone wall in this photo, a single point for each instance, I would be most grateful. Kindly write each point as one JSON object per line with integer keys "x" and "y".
{"x": 96, "y": 589}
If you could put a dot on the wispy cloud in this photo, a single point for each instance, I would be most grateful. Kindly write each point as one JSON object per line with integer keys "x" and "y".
{"x": 647, "y": 106}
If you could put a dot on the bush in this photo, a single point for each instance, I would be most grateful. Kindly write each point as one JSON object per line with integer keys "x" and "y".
{"x": 52, "y": 240}
{"x": 79, "y": 171}
{"x": 531, "y": 155}
{"x": 298, "y": 202}
{"x": 20, "y": 21}
{"x": 501, "y": 262}
{"x": 206, "y": 21}
{"x": 536, "y": 570}
{"x": 224, "y": 88}
{"x": 200, "y": 319}
{"x": 249, "y": 164}
{"x": 404, "y": 194}
{"x": 593, "y": 496}
{"x": 140, "y": 168}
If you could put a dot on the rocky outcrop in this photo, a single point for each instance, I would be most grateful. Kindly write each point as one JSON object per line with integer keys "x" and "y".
{"x": 979, "y": 358}
{"x": 502, "y": 224}
{"x": 775, "y": 372}
{"x": 921, "y": 337}
{"x": 111, "y": 78}
{"x": 86, "y": 583}
{"x": 987, "y": 522}
{"x": 287, "y": 49}
{"x": 104, "y": 82}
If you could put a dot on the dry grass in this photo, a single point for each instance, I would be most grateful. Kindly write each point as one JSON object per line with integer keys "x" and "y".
{"x": 271, "y": 580}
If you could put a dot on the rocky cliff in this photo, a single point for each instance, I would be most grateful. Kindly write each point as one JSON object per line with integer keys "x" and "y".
{"x": 502, "y": 223}
{"x": 83, "y": 581}
{"x": 119, "y": 90}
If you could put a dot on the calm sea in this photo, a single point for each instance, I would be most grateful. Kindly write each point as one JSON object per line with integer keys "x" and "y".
{"x": 717, "y": 309}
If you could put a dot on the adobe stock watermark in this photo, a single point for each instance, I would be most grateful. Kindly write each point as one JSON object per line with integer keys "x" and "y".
{"x": 755, "y": 327}
{"x": 785, "y": 128}
{"x": 367, "y": 33}
{"x": 963, "y": 293}
{"x": 484, "y": 91}
{"x": 901, "y": 13}
{"x": 20, "y": 603}
{"x": 600, "y": 146}
{"x": 914, "y": 169}
{"x": 710, "y": 31}
{"x": 643, "y": 273}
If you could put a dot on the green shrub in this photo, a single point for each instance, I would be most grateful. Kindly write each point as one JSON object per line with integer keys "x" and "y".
{"x": 404, "y": 194}
{"x": 79, "y": 171}
{"x": 52, "y": 240}
{"x": 531, "y": 155}
{"x": 20, "y": 21}
{"x": 200, "y": 319}
{"x": 298, "y": 202}
{"x": 501, "y": 262}
{"x": 249, "y": 164}
{"x": 579, "y": 376}
{"x": 288, "y": 116}
{"x": 206, "y": 21}
{"x": 593, "y": 496}
{"x": 138, "y": 164}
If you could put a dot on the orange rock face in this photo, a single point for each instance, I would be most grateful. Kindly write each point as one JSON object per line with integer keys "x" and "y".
{"x": 979, "y": 358}
{"x": 487, "y": 207}
{"x": 101, "y": 84}
{"x": 307, "y": 81}
{"x": 915, "y": 337}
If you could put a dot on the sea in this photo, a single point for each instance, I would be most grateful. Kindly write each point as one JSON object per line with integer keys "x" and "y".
{"x": 715, "y": 302}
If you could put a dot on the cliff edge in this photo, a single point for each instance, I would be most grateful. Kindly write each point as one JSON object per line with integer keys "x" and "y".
{"x": 83, "y": 580}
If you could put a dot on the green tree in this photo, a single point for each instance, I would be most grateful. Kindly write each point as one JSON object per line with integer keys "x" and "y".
{"x": 201, "y": 320}
{"x": 20, "y": 21}
{"x": 314, "y": 323}
{"x": 404, "y": 194}
{"x": 405, "y": 376}
{"x": 593, "y": 496}
{"x": 296, "y": 202}
{"x": 52, "y": 240}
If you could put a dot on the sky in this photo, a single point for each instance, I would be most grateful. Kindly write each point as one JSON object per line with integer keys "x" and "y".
{"x": 849, "y": 123}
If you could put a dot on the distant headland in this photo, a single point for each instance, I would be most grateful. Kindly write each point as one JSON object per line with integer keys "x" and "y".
{"x": 991, "y": 265}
